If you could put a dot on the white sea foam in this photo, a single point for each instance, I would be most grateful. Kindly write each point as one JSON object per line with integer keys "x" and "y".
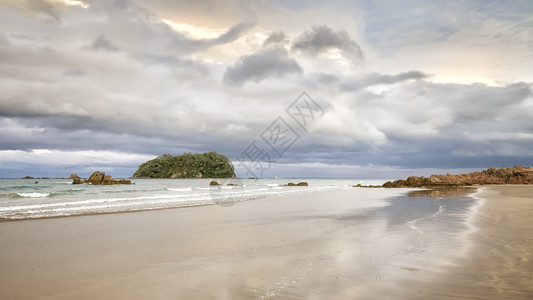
{"x": 412, "y": 223}
{"x": 33, "y": 195}
{"x": 146, "y": 195}
{"x": 179, "y": 189}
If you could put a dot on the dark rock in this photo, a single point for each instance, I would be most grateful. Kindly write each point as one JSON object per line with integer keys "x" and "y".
{"x": 76, "y": 179}
{"x": 98, "y": 178}
{"x": 367, "y": 186}
{"x": 303, "y": 183}
{"x": 515, "y": 175}
{"x": 214, "y": 183}
{"x": 28, "y": 177}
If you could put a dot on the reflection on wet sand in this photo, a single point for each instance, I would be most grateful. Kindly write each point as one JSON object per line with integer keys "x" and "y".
{"x": 444, "y": 192}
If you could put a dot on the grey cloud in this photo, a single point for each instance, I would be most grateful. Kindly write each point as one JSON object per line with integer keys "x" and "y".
{"x": 74, "y": 72}
{"x": 275, "y": 38}
{"x": 187, "y": 65}
{"x": 262, "y": 65}
{"x": 367, "y": 80}
{"x": 320, "y": 39}
{"x": 32, "y": 38}
{"x": 102, "y": 43}
{"x": 186, "y": 46}
{"x": 147, "y": 29}
{"x": 477, "y": 101}
{"x": 41, "y": 8}
{"x": 3, "y": 39}
{"x": 233, "y": 33}
{"x": 327, "y": 78}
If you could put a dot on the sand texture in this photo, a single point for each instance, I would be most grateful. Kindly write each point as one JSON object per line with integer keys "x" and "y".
{"x": 347, "y": 244}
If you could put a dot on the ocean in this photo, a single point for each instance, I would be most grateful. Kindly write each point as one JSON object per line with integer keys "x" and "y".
{"x": 25, "y": 199}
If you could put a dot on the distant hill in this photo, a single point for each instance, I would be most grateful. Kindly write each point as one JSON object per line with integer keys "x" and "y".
{"x": 188, "y": 165}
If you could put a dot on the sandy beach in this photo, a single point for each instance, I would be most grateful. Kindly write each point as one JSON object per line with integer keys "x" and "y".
{"x": 500, "y": 264}
{"x": 322, "y": 245}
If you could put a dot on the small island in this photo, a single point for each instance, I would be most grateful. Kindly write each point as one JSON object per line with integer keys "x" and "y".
{"x": 188, "y": 165}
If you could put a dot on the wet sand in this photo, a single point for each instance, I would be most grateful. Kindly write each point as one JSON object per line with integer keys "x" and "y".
{"x": 500, "y": 263}
{"x": 322, "y": 245}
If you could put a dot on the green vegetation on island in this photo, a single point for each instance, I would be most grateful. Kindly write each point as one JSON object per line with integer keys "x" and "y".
{"x": 188, "y": 165}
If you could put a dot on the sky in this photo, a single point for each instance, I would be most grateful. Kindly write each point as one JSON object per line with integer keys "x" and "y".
{"x": 392, "y": 88}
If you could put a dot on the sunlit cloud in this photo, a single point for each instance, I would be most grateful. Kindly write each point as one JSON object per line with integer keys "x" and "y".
{"x": 74, "y": 3}
{"x": 195, "y": 32}
{"x": 465, "y": 80}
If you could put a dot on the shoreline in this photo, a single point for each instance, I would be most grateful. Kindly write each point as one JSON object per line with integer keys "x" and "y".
{"x": 231, "y": 203}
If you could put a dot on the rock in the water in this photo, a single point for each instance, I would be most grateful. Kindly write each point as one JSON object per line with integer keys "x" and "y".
{"x": 98, "y": 178}
{"x": 214, "y": 183}
{"x": 76, "y": 179}
{"x": 303, "y": 183}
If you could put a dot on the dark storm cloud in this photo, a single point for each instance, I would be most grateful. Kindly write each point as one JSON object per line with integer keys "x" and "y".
{"x": 259, "y": 66}
{"x": 320, "y": 39}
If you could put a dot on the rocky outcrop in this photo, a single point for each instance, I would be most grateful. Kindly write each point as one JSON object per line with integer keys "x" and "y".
{"x": 366, "y": 186}
{"x": 303, "y": 183}
{"x": 214, "y": 183}
{"x": 515, "y": 175}
{"x": 75, "y": 179}
{"x": 98, "y": 178}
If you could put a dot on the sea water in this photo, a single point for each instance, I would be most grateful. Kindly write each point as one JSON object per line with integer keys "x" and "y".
{"x": 26, "y": 199}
